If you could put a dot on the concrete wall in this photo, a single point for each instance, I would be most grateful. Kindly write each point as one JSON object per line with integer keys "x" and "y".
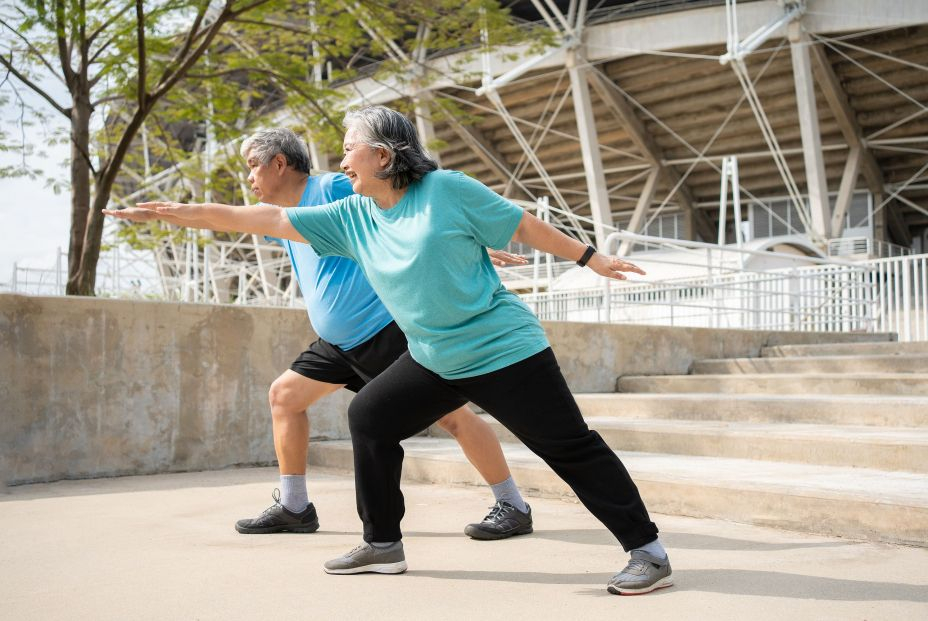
{"x": 94, "y": 387}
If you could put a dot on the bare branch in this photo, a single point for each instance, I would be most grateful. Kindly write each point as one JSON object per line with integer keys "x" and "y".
{"x": 34, "y": 87}
{"x": 104, "y": 100}
{"x": 182, "y": 64}
{"x": 298, "y": 87}
{"x": 194, "y": 29}
{"x": 140, "y": 34}
{"x": 64, "y": 51}
{"x": 33, "y": 49}
{"x": 115, "y": 37}
{"x": 100, "y": 50}
{"x": 93, "y": 35}
{"x": 278, "y": 25}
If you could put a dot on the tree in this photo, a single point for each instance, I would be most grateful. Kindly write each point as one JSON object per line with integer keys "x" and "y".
{"x": 81, "y": 43}
{"x": 129, "y": 57}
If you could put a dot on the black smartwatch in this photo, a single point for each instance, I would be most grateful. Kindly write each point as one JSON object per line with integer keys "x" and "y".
{"x": 587, "y": 255}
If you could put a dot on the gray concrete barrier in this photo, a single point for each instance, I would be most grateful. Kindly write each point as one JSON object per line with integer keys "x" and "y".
{"x": 95, "y": 387}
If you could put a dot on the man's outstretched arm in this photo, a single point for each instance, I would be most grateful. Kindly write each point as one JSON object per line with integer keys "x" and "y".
{"x": 267, "y": 220}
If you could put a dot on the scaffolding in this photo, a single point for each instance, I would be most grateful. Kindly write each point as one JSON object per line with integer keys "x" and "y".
{"x": 648, "y": 178}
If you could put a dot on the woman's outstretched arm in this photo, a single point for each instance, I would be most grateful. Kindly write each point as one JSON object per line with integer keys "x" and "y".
{"x": 544, "y": 237}
{"x": 267, "y": 220}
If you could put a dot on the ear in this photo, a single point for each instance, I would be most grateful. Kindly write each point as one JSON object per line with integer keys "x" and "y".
{"x": 279, "y": 162}
{"x": 384, "y": 157}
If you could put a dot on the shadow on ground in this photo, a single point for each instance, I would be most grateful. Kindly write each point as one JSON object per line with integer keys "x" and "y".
{"x": 726, "y": 581}
{"x": 685, "y": 541}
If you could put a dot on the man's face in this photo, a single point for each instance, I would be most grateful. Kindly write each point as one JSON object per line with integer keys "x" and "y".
{"x": 265, "y": 179}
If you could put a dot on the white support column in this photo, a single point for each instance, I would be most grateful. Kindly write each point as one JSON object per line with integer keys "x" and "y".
{"x": 422, "y": 104}
{"x": 816, "y": 182}
{"x": 641, "y": 210}
{"x": 723, "y": 202}
{"x": 318, "y": 157}
{"x": 846, "y": 191}
{"x": 589, "y": 145}
{"x": 422, "y": 101}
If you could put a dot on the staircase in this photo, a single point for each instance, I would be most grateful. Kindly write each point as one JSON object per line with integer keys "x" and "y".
{"x": 829, "y": 439}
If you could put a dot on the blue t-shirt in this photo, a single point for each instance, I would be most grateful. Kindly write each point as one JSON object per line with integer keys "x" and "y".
{"x": 343, "y": 308}
{"x": 426, "y": 258}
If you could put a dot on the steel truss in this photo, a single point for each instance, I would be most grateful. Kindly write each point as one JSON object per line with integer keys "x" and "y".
{"x": 246, "y": 270}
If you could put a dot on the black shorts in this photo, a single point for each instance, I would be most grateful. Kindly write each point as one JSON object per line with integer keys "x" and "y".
{"x": 354, "y": 368}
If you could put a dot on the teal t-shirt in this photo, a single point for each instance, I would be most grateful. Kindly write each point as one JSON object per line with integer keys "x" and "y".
{"x": 426, "y": 259}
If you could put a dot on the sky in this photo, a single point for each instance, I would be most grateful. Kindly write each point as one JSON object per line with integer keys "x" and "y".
{"x": 34, "y": 221}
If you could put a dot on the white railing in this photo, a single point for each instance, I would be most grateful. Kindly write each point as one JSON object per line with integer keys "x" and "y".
{"x": 188, "y": 270}
{"x": 121, "y": 272}
{"x": 881, "y": 295}
{"x": 864, "y": 246}
{"x": 829, "y": 295}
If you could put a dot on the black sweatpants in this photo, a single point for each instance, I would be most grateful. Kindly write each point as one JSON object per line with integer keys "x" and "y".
{"x": 530, "y": 398}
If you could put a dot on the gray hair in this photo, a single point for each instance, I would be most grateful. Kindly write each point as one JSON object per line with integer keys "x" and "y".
{"x": 383, "y": 128}
{"x": 263, "y": 145}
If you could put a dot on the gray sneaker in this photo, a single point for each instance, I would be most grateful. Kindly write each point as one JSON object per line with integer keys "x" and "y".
{"x": 278, "y": 519}
{"x": 367, "y": 559}
{"x": 643, "y": 574}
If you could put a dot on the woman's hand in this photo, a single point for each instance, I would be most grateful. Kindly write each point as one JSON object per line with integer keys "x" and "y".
{"x": 612, "y": 267}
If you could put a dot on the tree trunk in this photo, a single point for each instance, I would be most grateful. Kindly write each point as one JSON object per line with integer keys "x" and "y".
{"x": 93, "y": 238}
{"x": 80, "y": 193}
{"x": 103, "y": 189}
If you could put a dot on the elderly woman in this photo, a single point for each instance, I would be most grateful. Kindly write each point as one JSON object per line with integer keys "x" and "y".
{"x": 419, "y": 235}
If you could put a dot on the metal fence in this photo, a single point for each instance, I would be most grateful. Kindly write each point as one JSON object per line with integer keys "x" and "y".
{"x": 882, "y": 295}
{"x": 878, "y": 295}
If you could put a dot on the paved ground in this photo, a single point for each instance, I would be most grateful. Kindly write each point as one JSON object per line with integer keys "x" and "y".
{"x": 163, "y": 547}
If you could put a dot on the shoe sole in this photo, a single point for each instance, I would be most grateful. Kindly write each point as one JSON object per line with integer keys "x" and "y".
{"x": 374, "y": 568}
{"x": 663, "y": 583}
{"x": 266, "y": 530}
{"x": 475, "y": 533}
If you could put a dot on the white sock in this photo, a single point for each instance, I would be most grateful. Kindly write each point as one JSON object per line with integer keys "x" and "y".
{"x": 507, "y": 491}
{"x": 655, "y": 548}
{"x": 293, "y": 494}
{"x": 382, "y": 544}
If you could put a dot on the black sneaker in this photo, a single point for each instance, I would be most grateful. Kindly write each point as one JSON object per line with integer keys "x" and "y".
{"x": 502, "y": 521}
{"x": 277, "y": 519}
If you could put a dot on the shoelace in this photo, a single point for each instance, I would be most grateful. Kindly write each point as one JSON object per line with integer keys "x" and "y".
{"x": 635, "y": 566}
{"x": 276, "y": 496}
{"x": 498, "y": 510}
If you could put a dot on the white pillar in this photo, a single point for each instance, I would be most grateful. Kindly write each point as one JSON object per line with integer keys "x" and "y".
{"x": 422, "y": 104}
{"x": 816, "y": 182}
{"x": 589, "y": 145}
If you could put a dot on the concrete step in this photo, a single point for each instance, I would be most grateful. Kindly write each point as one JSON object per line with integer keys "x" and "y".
{"x": 891, "y": 384}
{"x": 882, "y": 363}
{"x": 825, "y": 409}
{"x": 849, "y": 502}
{"x": 898, "y": 448}
{"x": 846, "y": 349}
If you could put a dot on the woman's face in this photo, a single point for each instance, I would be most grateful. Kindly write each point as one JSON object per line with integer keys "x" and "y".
{"x": 362, "y": 162}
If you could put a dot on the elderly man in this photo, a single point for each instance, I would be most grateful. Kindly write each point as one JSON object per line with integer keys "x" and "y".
{"x": 358, "y": 339}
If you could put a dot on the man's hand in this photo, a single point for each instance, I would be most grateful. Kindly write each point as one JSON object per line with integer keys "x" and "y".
{"x": 146, "y": 212}
{"x": 133, "y": 214}
{"x": 500, "y": 258}
{"x": 612, "y": 267}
